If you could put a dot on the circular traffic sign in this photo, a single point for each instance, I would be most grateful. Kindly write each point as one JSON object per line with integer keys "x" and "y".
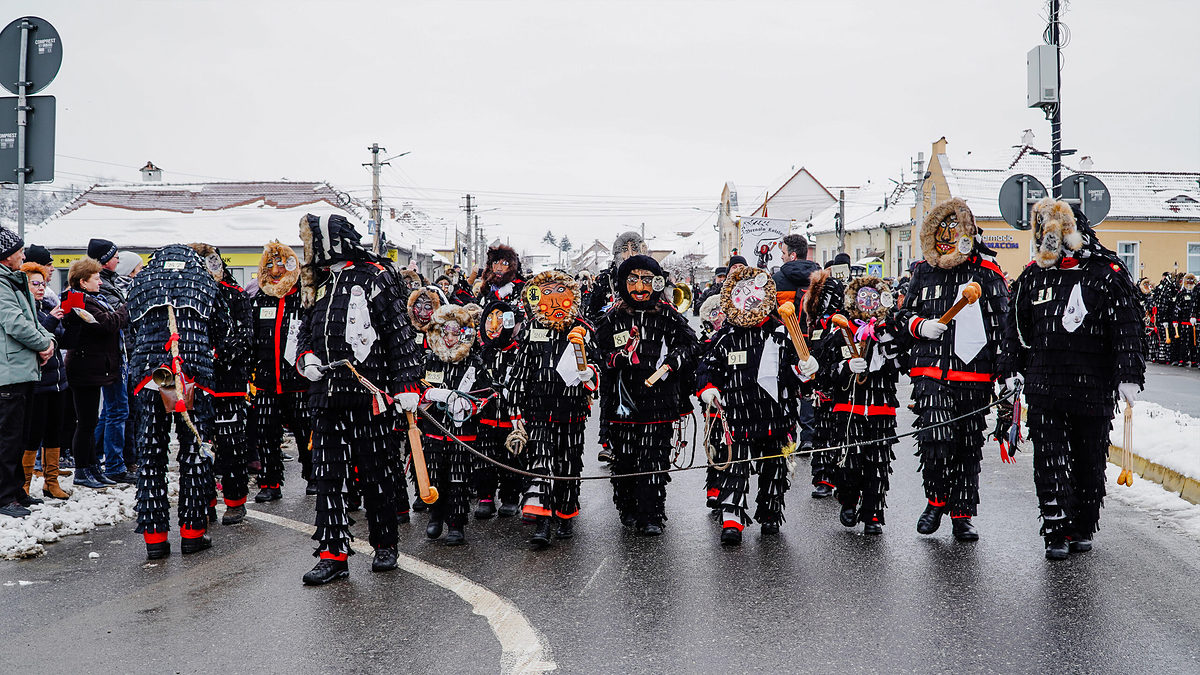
{"x": 43, "y": 55}
{"x": 1094, "y": 198}
{"x": 1014, "y": 199}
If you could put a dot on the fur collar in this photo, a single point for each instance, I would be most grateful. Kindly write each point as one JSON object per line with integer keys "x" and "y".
{"x": 552, "y": 276}
{"x": 966, "y": 227}
{"x": 277, "y": 289}
{"x": 433, "y": 336}
{"x": 812, "y": 298}
{"x": 742, "y": 318}
{"x": 852, "y": 294}
{"x": 1054, "y": 232}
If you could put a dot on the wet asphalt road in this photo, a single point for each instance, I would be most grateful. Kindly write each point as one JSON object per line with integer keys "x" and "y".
{"x": 816, "y": 597}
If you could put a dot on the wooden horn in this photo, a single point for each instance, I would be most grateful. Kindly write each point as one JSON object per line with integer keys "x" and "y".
{"x": 970, "y": 295}
{"x": 787, "y": 312}
{"x": 429, "y": 494}
{"x": 844, "y": 323}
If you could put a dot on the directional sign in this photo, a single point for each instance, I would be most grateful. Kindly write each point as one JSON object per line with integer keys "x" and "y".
{"x": 43, "y": 54}
{"x": 39, "y": 139}
{"x": 1016, "y": 195}
{"x": 1093, "y": 196}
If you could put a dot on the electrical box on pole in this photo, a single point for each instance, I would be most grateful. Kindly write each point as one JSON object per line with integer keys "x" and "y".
{"x": 1042, "y": 65}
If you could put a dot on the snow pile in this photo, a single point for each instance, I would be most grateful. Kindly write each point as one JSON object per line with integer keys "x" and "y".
{"x": 83, "y": 512}
{"x": 1163, "y": 436}
{"x": 1165, "y": 507}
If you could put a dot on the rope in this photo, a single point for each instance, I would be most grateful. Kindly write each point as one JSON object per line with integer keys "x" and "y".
{"x": 638, "y": 474}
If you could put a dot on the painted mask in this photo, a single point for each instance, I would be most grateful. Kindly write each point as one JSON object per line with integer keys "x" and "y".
{"x": 748, "y": 294}
{"x": 554, "y": 301}
{"x": 493, "y": 324}
{"x": 454, "y": 333}
{"x": 1189, "y": 282}
{"x": 279, "y": 266}
{"x": 445, "y": 286}
{"x": 642, "y": 284}
{"x": 215, "y": 266}
{"x": 867, "y": 300}
{"x": 948, "y": 234}
{"x": 423, "y": 309}
{"x": 715, "y": 318}
{"x": 1145, "y": 287}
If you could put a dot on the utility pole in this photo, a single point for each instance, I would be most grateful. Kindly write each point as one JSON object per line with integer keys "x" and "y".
{"x": 480, "y": 252}
{"x": 376, "y": 202}
{"x": 470, "y": 240}
{"x": 841, "y": 223}
{"x": 1056, "y": 115}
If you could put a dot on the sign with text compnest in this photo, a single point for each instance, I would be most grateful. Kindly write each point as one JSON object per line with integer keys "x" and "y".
{"x": 760, "y": 238}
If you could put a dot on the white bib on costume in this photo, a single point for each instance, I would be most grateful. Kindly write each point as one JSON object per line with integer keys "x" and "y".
{"x": 360, "y": 334}
{"x": 970, "y": 336}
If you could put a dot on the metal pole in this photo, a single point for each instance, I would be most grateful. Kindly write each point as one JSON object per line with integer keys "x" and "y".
{"x": 470, "y": 239}
{"x": 22, "y": 121}
{"x": 1056, "y": 116}
{"x": 375, "y": 210}
{"x": 841, "y": 230}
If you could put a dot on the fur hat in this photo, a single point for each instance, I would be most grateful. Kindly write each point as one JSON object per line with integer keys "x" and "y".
{"x": 501, "y": 252}
{"x": 272, "y": 251}
{"x": 623, "y": 241}
{"x": 753, "y": 317}
{"x": 465, "y": 318}
{"x": 956, "y": 211}
{"x": 532, "y": 295}
{"x": 211, "y": 255}
{"x": 1054, "y": 232}
{"x": 710, "y": 303}
{"x": 851, "y": 299}
{"x": 101, "y": 250}
{"x": 435, "y": 296}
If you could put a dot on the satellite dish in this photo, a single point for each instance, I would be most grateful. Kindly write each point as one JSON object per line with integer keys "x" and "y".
{"x": 1094, "y": 198}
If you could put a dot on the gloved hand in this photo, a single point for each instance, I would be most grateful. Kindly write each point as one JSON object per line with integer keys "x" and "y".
{"x": 459, "y": 406}
{"x": 930, "y": 329}
{"x": 708, "y": 396}
{"x": 1011, "y": 383}
{"x": 1129, "y": 392}
{"x": 857, "y": 365}
{"x": 312, "y": 368}
{"x": 407, "y": 402}
{"x": 809, "y": 368}
{"x": 438, "y": 394}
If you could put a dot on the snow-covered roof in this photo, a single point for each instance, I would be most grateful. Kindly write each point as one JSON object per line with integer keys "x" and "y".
{"x": 1136, "y": 195}
{"x": 865, "y": 210}
{"x": 149, "y": 215}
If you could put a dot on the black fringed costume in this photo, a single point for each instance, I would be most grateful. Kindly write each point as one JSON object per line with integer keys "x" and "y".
{"x": 1075, "y": 334}
{"x": 281, "y": 392}
{"x": 175, "y": 276}
{"x": 863, "y": 412}
{"x": 635, "y": 337}
{"x": 1183, "y": 319}
{"x": 357, "y": 314}
{"x": 497, "y": 326}
{"x": 944, "y": 386}
{"x": 824, "y": 298}
{"x": 762, "y": 416}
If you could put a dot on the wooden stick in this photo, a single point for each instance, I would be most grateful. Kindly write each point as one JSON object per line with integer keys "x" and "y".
{"x": 429, "y": 494}
{"x": 970, "y": 295}
{"x": 657, "y": 375}
{"x": 787, "y": 312}
{"x": 844, "y": 323}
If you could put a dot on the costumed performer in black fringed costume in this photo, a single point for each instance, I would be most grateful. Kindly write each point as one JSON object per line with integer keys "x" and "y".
{"x": 497, "y": 333}
{"x": 551, "y": 392}
{"x": 641, "y": 332}
{"x": 1074, "y": 339}
{"x": 1186, "y": 302}
{"x": 953, "y": 366}
{"x": 356, "y": 314}
{"x": 175, "y": 277}
{"x": 824, "y": 298}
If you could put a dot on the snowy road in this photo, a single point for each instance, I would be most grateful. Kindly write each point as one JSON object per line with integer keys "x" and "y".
{"x": 817, "y": 597}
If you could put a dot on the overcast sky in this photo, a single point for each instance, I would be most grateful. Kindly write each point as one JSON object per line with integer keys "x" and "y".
{"x": 587, "y": 118}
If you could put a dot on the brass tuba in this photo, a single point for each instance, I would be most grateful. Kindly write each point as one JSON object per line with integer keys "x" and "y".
{"x": 681, "y": 297}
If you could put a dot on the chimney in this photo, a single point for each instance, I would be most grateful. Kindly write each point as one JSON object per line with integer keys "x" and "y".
{"x": 151, "y": 173}
{"x": 1085, "y": 164}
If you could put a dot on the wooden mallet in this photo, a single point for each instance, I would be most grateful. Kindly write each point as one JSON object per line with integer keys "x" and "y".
{"x": 787, "y": 312}
{"x": 429, "y": 493}
{"x": 847, "y": 330}
{"x": 970, "y": 295}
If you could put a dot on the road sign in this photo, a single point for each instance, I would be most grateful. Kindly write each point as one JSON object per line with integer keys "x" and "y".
{"x": 1016, "y": 195}
{"x": 39, "y": 139}
{"x": 1094, "y": 198}
{"x": 43, "y": 54}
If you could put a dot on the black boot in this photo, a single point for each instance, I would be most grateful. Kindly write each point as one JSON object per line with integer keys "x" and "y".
{"x": 541, "y": 534}
{"x": 1080, "y": 543}
{"x": 629, "y": 520}
{"x": 508, "y": 510}
{"x": 326, "y": 571}
{"x": 848, "y": 516}
{"x": 195, "y": 544}
{"x": 455, "y": 536}
{"x": 731, "y": 536}
{"x": 234, "y": 515}
{"x": 651, "y": 530}
{"x": 566, "y": 528}
{"x": 485, "y": 510}
{"x": 385, "y": 560}
{"x": 268, "y": 494}
{"x": 930, "y": 520}
{"x": 821, "y": 491}
{"x": 157, "y": 551}
{"x": 1057, "y": 548}
{"x": 434, "y": 529}
{"x": 353, "y": 503}
{"x": 402, "y": 518}
{"x": 770, "y": 528}
{"x": 419, "y": 505}
{"x": 873, "y": 527}
{"x": 964, "y": 529}
{"x": 212, "y": 514}
{"x": 310, "y": 489}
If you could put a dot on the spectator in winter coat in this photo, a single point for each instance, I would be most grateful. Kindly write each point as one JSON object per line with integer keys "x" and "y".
{"x": 26, "y": 346}
{"x": 49, "y": 395}
{"x": 110, "y": 430}
{"x": 95, "y": 359}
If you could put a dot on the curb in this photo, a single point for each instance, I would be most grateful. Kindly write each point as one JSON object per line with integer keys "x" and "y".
{"x": 1171, "y": 480}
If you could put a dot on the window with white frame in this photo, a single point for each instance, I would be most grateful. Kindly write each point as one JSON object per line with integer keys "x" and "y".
{"x": 1193, "y": 257}
{"x": 1127, "y": 251}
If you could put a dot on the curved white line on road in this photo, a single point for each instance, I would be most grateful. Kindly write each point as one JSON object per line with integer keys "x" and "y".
{"x": 523, "y": 648}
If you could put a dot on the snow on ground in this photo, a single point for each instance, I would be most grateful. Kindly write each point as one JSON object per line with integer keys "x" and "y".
{"x": 1162, "y": 506}
{"x": 55, "y": 519}
{"x": 1163, "y": 436}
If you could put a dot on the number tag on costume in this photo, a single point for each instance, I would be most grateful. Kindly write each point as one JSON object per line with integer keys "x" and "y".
{"x": 1044, "y": 295}
{"x": 320, "y": 292}
{"x": 420, "y": 339}
{"x": 846, "y": 353}
{"x": 174, "y": 265}
{"x": 621, "y": 339}
{"x": 539, "y": 334}
{"x": 435, "y": 377}
{"x": 816, "y": 334}
{"x": 267, "y": 313}
{"x": 737, "y": 358}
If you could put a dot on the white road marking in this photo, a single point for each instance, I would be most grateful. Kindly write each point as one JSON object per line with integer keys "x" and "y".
{"x": 523, "y": 648}
{"x": 592, "y": 578}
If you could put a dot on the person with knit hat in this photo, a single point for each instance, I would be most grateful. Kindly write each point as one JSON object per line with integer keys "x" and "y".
{"x": 27, "y": 345}
{"x": 111, "y": 425}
